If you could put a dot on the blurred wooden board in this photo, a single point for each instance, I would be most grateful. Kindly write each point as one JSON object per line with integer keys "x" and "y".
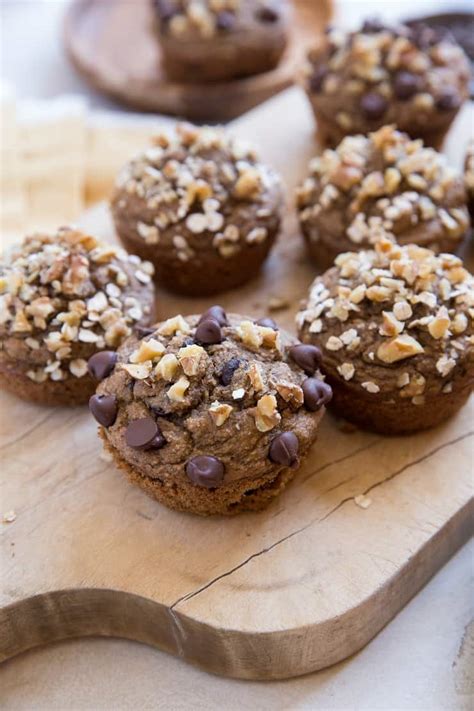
{"x": 284, "y": 592}
{"x": 112, "y": 46}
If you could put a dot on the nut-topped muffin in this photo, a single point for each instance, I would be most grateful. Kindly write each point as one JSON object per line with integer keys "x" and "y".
{"x": 395, "y": 326}
{"x": 201, "y": 207}
{"x": 212, "y": 414}
{"x": 63, "y": 298}
{"x": 414, "y": 77}
{"x": 469, "y": 176}
{"x": 381, "y": 185}
{"x": 220, "y": 40}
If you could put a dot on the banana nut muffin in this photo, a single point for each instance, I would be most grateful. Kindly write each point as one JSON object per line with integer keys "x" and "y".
{"x": 212, "y": 414}
{"x": 395, "y": 325}
{"x": 63, "y": 297}
{"x": 381, "y": 185}
{"x": 220, "y": 40}
{"x": 414, "y": 77}
{"x": 469, "y": 176}
{"x": 201, "y": 207}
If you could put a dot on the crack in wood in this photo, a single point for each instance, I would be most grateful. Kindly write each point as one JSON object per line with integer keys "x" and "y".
{"x": 364, "y": 448}
{"x": 227, "y": 573}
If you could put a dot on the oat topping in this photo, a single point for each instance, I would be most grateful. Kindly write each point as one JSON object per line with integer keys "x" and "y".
{"x": 200, "y": 182}
{"x": 384, "y": 186}
{"x": 64, "y": 296}
{"x": 417, "y": 312}
{"x": 379, "y": 67}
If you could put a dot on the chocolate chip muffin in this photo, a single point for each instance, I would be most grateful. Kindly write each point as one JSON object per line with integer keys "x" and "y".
{"x": 211, "y": 414}
{"x": 220, "y": 40}
{"x": 414, "y": 77}
{"x": 63, "y": 298}
{"x": 381, "y": 185}
{"x": 395, "y": 328}
{"x": 469, "y": 177}
{"x": 201, "y": 207}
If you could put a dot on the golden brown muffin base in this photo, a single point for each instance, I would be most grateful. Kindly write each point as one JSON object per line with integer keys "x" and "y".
{"x": 72, "y": 391}
{"x": 399, "y": 417}
{"x": 227, "y": 500}
{"x": 212, "y": 275}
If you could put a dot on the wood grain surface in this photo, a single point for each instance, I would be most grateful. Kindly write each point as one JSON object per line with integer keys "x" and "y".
{"x": 261, "y": 596}
{"x": 112, "y": 46}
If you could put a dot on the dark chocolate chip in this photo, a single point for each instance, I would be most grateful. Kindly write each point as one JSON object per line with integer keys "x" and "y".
{"x": 166, "y": 9}
{"x": 225, "y": 20}
{"x": 144, "y": 434}
{"x": 100, "y": 365}
{"x": 208, "y": 332}
{"x": 267, "y": 322}
{"x": 104, "y": 409}
{"x": 217, "y": 313}
{"x": 423, "y": 36}
{"x": 373, "y": 106}
{"x": 306, "y": 357}
{"x": 316, "y": 394}
{"x": 372, "y": 25}
{"x": 319, "y": 75}
{"x": 267, "y": 14}
{"x": 205, "y": 470}
{"x": 448, "y": 101}
{"x": 143, "y": 331}
{"x": 406, "y": 85}
{"x": 284, "y": 449}
{"x": 227, "y": 372}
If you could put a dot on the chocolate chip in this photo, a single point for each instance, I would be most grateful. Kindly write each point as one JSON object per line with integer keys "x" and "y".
{"x": 225, "y": 20}
{"x": 406, "y": 85}
{"x": 208, "y": 332}
{"x": 316, "y": 394}
{"x": 227, "y": 372}
{"x": 448, "y": 101}
{"x": 319, "y": 75}
{"x": 267, "y": 14}
{"x": 104, "y": 409}
{"x": 423, "y": 36}
{"x": 372, "y": 25}
{"x": 267, "y": 322}
{"x": 284, "y": 449}
{"x": 217, "y": 313}
{"x": 205, "y": 470}
{"x": 166, "y": 9}
{"x": 143, "y": 331}
{"x": 307, "y": 357}
{"x": 373, "y": 106}
{"x": 144, "y": 434}
{"x": 100, "y": 365}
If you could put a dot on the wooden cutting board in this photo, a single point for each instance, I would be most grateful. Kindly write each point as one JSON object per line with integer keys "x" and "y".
{"x": 287, "y": 591}
{"x": 112, "y": 45}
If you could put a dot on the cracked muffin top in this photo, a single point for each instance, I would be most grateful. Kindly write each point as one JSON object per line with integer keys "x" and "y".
{"x": 383, "y": 185}
{"x": 65, "y": 296}
{"x": 394, "y": 319}
{"x": 412, "y": 76}
{"x": 208, "y": 19}
{"x": 212, "y": 399}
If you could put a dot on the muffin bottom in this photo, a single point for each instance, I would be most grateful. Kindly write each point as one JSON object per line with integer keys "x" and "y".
{"x": 227, "y": 500}
{"x": 214, "y": 275}
{"x": 396, "y": 418}
{"x": 72, "y": 391}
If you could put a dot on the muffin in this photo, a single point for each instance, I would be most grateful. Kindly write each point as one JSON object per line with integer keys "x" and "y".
{"x": 212, "y": 414}
{"x": 381, "y": 185}
{"x": 395, "y": 328}
{"x": 65, "y": 297}
{"x": 415, "y": 77}
{"x": 220, "y": 40}
{"x": 201, "y": 208}
{"x": 469, "y": 177}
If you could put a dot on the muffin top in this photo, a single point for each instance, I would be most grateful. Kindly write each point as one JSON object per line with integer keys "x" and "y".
{"x": 243, "y": 395}
{"x": 469, "y": 171}
{"x": 64, "y": 296}
{"x": 397, "y": 318}
{"x": 195, "y": 190}
{"x": 383, "y": 185}
{"x": 384, "y": 73}
{"x": 215, "y": 19}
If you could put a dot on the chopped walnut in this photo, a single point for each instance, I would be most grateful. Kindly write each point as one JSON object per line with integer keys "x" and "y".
{"x": 190, "y": 357}
{"x": 177, "y": 392}
{"x": 220, "y": 412}
{"x": 399, "y": 348}
{"x": 167, "y": 367}
{"x": 266, "y": 413}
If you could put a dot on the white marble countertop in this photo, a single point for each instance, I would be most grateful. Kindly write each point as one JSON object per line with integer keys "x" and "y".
{"x": 422, "y": 660}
